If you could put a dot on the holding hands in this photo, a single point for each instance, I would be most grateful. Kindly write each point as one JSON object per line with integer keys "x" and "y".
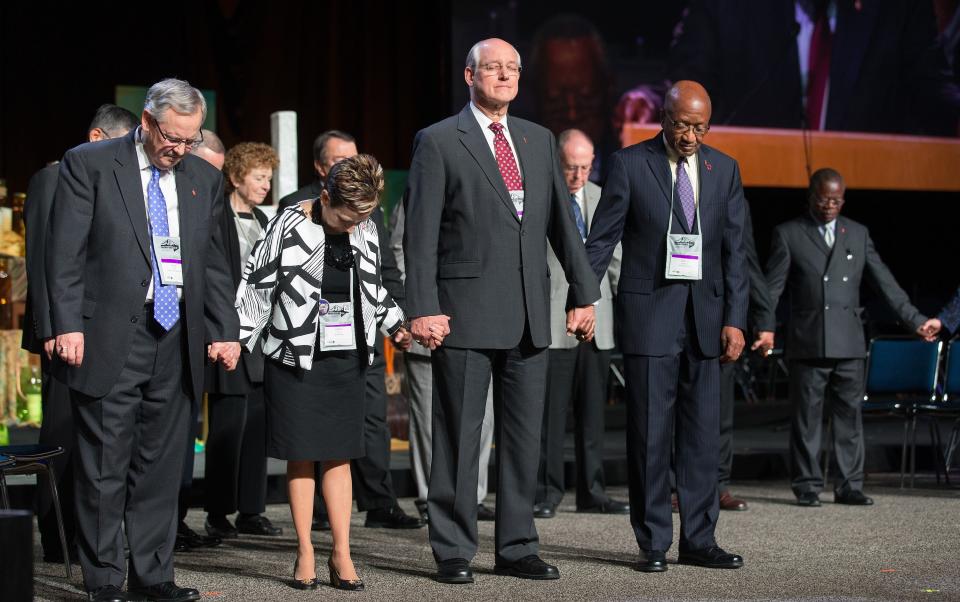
{"x": 581, "y": 321}
{"x": 430, "y": 331}
{"x": 227, "y": 353}
{"x": 930, "y": 329}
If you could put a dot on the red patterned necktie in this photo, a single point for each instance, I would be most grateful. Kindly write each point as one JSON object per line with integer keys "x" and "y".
{"x": 818, "y": 73}
{"x": 505, "y": 159}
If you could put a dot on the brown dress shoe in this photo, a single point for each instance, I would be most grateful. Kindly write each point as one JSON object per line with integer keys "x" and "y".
{"x": 728, "y": 502}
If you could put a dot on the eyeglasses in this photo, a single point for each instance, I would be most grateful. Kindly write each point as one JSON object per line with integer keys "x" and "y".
{"x": 188, "y": 143}
{"x": 511, "y": 69}
{"x": 828, "y": 202}
{"x": 699, "y": 129}
{"x": 572, "y": 169}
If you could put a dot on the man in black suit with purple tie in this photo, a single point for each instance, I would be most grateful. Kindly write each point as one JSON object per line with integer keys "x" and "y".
{"x": 679, "y": 314}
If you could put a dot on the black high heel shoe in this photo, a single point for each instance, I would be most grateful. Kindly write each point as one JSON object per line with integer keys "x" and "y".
{"x": 312, "y": 583}
{"x": 354, "y": 585}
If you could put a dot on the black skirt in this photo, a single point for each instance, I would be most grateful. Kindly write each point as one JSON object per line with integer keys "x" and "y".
{"x": 316, "y": 414}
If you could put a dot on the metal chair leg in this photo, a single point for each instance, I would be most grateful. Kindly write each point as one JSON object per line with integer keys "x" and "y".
{"x": 952, "y": 445}
{"x": 4, "y": 498}
{"x": 903, "y": 450}
{"x": 913, "y": 450}
{"x": 56, "y": 506}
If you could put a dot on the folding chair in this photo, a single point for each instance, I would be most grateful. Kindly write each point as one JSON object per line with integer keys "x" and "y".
{"x": 947, "y": 407}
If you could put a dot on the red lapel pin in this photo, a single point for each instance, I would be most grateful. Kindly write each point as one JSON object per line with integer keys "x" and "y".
{"x": 194, "y": 191}
{"x": 708, "y": 165}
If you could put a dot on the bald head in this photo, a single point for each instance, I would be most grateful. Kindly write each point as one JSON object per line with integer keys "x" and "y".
{"x": 576, "y": 158}
{"x": 686, "y": 116}
{"x": 493, "y": 74}
{"x": 211, "y": 149}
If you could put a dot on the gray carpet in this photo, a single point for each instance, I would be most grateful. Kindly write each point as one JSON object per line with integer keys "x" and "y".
{"x": 906, "y": 547}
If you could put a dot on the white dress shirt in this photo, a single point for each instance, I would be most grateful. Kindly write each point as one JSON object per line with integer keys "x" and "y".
{"x": 693, "y": 172}
{"x": 485, "y": 122}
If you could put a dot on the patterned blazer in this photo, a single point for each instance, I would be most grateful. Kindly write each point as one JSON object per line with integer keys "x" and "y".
{"x": 281, "y": 285}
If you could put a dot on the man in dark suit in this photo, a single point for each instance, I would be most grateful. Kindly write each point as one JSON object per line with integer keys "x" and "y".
{"x": 483, "y": 197}
{"x": 131, "y": 338}
{"x": 819, "y": 64}
{"x": 820, "y": 259}
{"x": 110, "y": 121}
{"x": 678, "y": 313}
{"x": 329, "y": 147}
{"x": 577, "y": 371}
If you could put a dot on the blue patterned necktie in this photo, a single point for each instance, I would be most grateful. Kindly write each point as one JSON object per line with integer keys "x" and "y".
{"x": 166, "y": 309}
{"x": 578, "y": 216}
{"x": 685, "y": 192}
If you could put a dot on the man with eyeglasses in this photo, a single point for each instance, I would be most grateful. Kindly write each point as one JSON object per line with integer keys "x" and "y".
{"x": 677, "y": 206}
{"x": 485, "y": 194}
{"x": 140, "y": 295}
{"x": 577, "y": 371}
{"x": 820, "y": 260}
{"x": 110, "y": 121}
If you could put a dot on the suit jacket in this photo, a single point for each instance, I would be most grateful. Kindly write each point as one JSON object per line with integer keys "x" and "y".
{"x": 824, "y": 287}
{"x": 278, "y": 297}
{"x": 603, "y": 338}
{"x": 888, "y": 73}
{"x": 250, "y": 367}
{"x": 949, "y": 316}
{"x": 468, "y": 255}
{"x": 635, "y": 208}
{"x": 36, "y": 213}
{"x": 762, "y": 311}
{"x": 310, "y": 191}
{"x": 98, "y": 262}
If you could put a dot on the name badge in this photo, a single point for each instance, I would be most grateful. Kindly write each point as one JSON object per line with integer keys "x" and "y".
{"x": 337, "y": 327}
{"x": 517, "y": 197}
{"x": 684, "y": 255}
{"x": 167, "y": 250}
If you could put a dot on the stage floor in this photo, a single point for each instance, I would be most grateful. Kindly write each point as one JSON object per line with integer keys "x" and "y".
{"x": 903, "y": 548}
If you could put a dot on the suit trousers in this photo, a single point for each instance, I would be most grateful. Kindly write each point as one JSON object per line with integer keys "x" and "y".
{"x": 56, "y": 429}
{"x": 129, "y": 458}
{"x": 578, "y": 374}
{"x": 461, "y": 379}
{"x": 372, "y": 482}
{"x": 672, "y": 401}
{"x": 811, "y": 383}
{"x": 420, "y": 393}
{"x": 728, "y": 378}
{"x": 236, "y": 456}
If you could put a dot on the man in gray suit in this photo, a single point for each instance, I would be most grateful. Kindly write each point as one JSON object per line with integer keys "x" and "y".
{"x": 484, "y": 195}
{"x": 131, "y": 337}
{"x": 577, "y": 370}
{"x": 820, "y": 258}
{"x": 420, "y": 393}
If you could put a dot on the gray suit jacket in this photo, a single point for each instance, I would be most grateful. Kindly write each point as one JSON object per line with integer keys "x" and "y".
{"x": 98, "y": 262}
{"x": 824, "y": 286}
{"x": 468, "y": 255}
{"x": 559, "y": 289}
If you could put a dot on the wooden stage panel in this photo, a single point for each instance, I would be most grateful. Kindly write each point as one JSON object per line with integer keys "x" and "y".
{"x": 775, "y": 158}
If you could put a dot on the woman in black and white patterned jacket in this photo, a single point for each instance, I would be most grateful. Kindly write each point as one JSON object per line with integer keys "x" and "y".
{"x": 311, "y": 295}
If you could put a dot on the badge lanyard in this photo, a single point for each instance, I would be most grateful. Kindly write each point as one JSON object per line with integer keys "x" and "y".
{"x": 684, "y": 251}
{"x": 337, "y": 320}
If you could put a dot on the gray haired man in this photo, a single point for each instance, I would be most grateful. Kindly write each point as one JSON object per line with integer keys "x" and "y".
{"x": 140, "y": 294}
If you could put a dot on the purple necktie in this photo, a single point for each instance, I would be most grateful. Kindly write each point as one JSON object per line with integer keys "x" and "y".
{"x": 685, "y": 192}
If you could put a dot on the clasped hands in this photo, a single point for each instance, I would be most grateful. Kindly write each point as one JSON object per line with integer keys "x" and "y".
{"x": 430, "y": 331}
{"x": 929, "y": 330}
{"x": 225, "y": 352}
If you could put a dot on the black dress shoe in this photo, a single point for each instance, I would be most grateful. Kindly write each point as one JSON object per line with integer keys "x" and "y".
{"x": 484, "y": 513}
{"x": 257, "y": 524}
{"x": 350, "y": 585}
{"x": 391, "y": 518}
{"x": 219, "y": 526}
{"x": 168, "y": 591}
{"x": 528, "y": 567}
{"x": 809, "y": 499}
{"x": 854, "y": 498}
{"x": 712, "y": 558}
{"x": 422, "y": 510}
{"x": 607, "y": 507}
{"x": 107, "y": 593}
{"x": 652, "y": 561}
{"x": 321, "y": 522}
{"x": 455, "y": 570}
{"x": 545, "y": 510}
{"x": 188, "y": 539}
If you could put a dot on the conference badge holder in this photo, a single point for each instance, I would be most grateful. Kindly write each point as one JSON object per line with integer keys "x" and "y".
{"x": 167, "y": 250}
{"x": 336, "y": 324}
{"x": 684, "y": 251}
